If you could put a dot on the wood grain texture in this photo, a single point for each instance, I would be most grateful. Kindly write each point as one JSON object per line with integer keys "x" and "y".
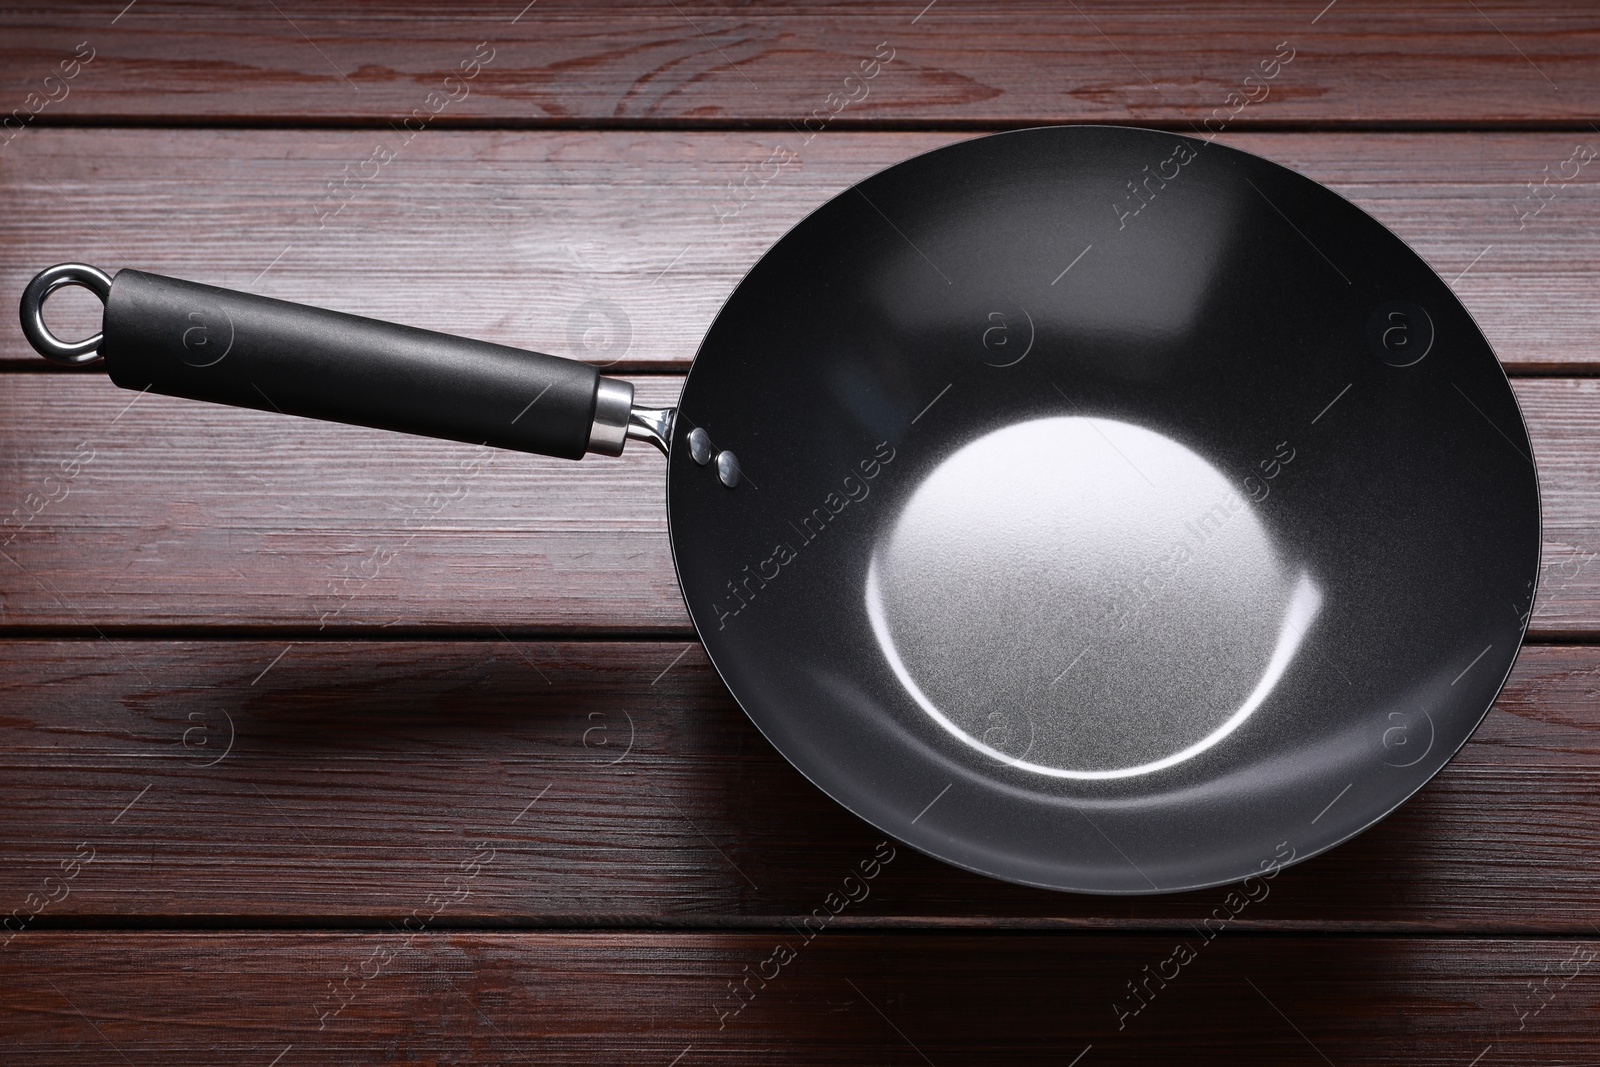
{"x": 620, "y": 247}
{"x": 187, "y": 514}
{"x": 315, "y": 526}
{"x": 637, "y": 62}
{"x": 618, "y": 784}
{"x": 221, "y": 848}
{"x": 945, "y": 999}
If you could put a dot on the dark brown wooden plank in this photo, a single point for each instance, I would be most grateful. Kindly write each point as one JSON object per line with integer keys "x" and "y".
{"x": 192, "y": 514}
{"x": 1021, "y": 61}
{"x": 1569, "y": 581}
{"x": 842, "y": 998}
{"x": 187, "y": 514}
{"x": 618, "y": 783}
{"x": 622, "y": 246}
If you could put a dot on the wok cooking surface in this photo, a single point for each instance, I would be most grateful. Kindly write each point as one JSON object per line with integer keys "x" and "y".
{"x": 1120, "y": 513}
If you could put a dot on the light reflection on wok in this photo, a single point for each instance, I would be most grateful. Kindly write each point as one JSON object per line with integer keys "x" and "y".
{"x": 1033, "y": 593}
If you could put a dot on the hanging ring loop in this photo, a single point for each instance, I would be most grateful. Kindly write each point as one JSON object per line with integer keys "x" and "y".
{"x": 47, "y": 344}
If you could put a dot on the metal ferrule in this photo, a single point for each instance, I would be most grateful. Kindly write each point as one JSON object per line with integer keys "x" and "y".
{"x": 613, "y": 403}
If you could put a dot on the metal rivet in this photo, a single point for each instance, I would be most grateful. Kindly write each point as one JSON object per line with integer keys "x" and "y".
{"x": 699, "y": 446}
{"x": 728, "y": 468}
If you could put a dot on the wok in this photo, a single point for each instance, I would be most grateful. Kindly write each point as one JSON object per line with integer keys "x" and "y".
{"x": 1093, "y": 508}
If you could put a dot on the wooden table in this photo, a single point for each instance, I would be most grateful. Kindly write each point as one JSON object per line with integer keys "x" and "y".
{"x": 299, "y": 765}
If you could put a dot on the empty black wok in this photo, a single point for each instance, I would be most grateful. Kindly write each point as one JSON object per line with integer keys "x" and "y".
{"x": 1093, "y": 508}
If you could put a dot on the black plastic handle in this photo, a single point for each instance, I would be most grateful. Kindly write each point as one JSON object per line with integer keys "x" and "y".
{"x": 204, "y": 343}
